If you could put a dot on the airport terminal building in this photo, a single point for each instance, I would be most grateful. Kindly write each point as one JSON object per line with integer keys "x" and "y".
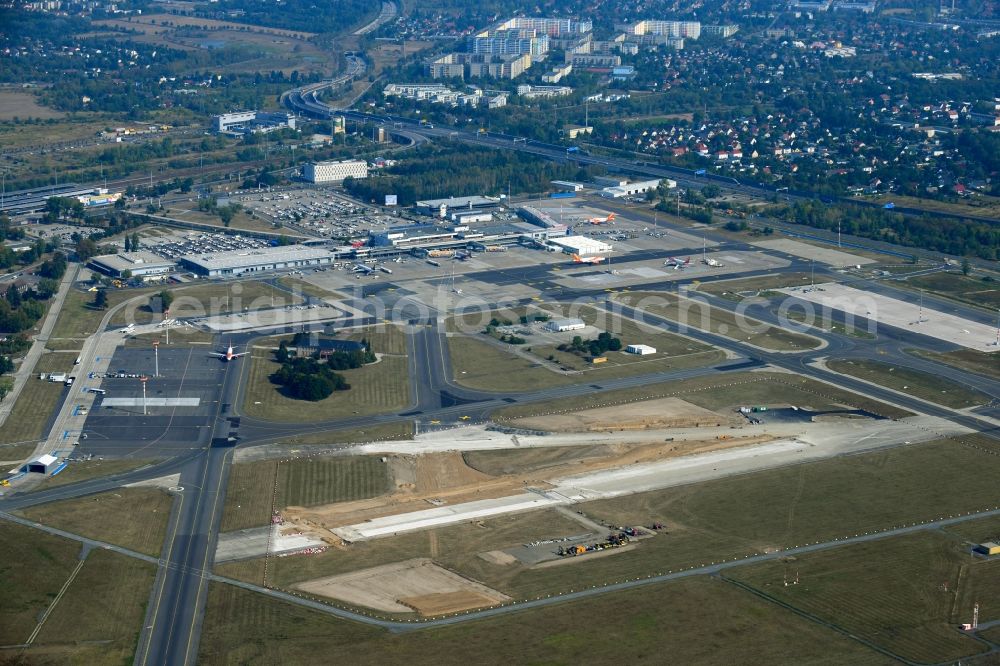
{"x": 239, "y": 262}
{"x": 141, "y": 264}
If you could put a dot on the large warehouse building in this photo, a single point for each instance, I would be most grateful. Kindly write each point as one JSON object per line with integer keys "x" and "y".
{"x": 581, "y": 245}
{"x": 332, "y": 172}
{"x": 137, "y": 264}
{"x": 238, "y": 262}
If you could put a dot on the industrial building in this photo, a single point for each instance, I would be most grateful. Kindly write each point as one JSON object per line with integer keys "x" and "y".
{"x": 139, "y": 264}
{"x": 252, "y": 122}
{"x": 641, "y": 350}
{"x": 564, "y": 325}
{"x": 581, "y": 245}
{"x": 440, "y": 207}
{"x": 42, "y": 465}
{"x": 332, "y": 172}
{"x": 632, "y": 189}
{"x": 989, "y": 549}
{"x": 239, "y": 262}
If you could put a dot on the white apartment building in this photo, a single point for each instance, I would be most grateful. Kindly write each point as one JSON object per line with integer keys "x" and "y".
{"x": 331, "y": 172}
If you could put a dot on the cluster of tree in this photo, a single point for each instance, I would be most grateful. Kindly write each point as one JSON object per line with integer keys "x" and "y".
{"x": 308, "y": 379}
{"x": 226, "y": 213}
{"x": 336, "y": 360}
{"x": 9, "y": 258}
{"x": 8, "y": 231}
{"x": 453, "y": 169}
{"x": 14, "y": 344}
{"x": 948, "y": 235}
{"x": 54, "y": 267}
{"x": 57, "y": 208}
{"x": 605, "y": 342}
{"x": 336, "y": 16}
{"x": 132, "y": 242}
{"x": 20, "y": 310}
{"x": 160, "y": 302}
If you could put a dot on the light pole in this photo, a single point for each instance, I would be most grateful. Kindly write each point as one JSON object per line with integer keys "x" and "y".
{"x": 156, "y": 355}
{"x": 144, "y": 379}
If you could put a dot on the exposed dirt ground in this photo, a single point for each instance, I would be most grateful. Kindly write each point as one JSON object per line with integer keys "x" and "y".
{"x": 662, "y": 413}
{"x": 429, "y": 480}
{"x": 404, "y": 587}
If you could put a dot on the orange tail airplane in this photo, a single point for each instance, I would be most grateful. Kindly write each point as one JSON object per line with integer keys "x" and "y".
{"x": 601, "y": 220}
{"x": 577, "y": 259}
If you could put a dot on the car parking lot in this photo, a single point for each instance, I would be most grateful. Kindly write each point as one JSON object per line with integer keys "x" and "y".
{"x": 316, "y": 211}
{"x": 201, "y": 243}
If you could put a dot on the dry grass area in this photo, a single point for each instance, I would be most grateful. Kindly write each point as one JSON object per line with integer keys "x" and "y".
{"x": 754, "y": 285}
{"x": 38, "y": 399}
{"x": 981, "y": 363}
{"x": 900, "y": 594}
{"x": 135, "y": 518}
{"x": 661, "y": 413}
{"x": 82, "y": 470}
{"x": 700, "y": 621}
{"x": 716, "y": 393}
{"x": 697, "y": 314}
{"x": 24, "y": 105}
{"x": 99, "y": 618}
{"x": 161, "y": 23}
{"x": 403, "y": 587}
{"x": 33, "y": 566}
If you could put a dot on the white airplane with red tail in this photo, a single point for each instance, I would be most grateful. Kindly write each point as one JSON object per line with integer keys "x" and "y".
{"x": 577, "y": 259}
{"x": 229, "y": 355}
{"x": 601, "y": 220}
{"x": 677, "y": 263}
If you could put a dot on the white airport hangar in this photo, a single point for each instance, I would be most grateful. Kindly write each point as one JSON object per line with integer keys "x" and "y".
{"x": 238, "y": 262}
{"x": 581, "y": 245}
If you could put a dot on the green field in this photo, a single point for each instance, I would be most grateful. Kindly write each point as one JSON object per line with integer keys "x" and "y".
{"x": 78, "y": 319}
{"x": 135, "y": 518}
{"x": 983, "y": 292}
{"x": 981, "y": 363}
{"x": 33, "y": 566}
{"x": 99, "y": 618}
{"x": 479, "y": 363}
{"x": 697, "y": 621}
{"x": 903, "y": 594}
{"x": 911, "y": 382}
{"x": 38, "y": 399}
{"x": 209, "y": 299}
{"x": 376, "y": 388}
{"x": 82, "y": 470}
{"x": 737, "y": 288}
{"x": 716, "y": 392}
{"x": 697, "y": 314}
{"x": 389, "y": 431}
{"x": 300, "y": 482}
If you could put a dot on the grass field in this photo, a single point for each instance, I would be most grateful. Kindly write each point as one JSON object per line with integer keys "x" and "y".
{"x": 900, "y": 594}
{"x": 972, "y": 290}
{"x": 375, "y": 389}
{"x": 911, "y": 382}
{"x": 33, "y": 566}
{"x": 697, "y": 314}
{"x": 79, "y": 126}
{"x": 478, "y": 363}
{"x": 301, "y": 482}
{"x": 38, "y": 399}
{"x": 134, "y": 518}
{"x": 980, "y": 206}
{"x": 308, "y": 288}
{"x": 697, "y": 621}
{"x": 99, "y": 618}
{"x": 209, "y": 300}
{"x": 89, "y": 469}
{"x": 389, "y": 431}
{"x": 24, "y": 105}
{"x": 737, "y": 288}
{"x": 715, "y": 393}
{"x": 78, "y": 320}
{"x": 982, "y": 363}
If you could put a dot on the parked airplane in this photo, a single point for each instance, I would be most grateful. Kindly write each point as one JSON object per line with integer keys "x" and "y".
{"x": 601, "y": 220}
{"x": 361, "y": 268}
{"x": 128, "y": 329}
{"x": 712, "y": 262}
{"x": 676, "y": 263}
{"x": 577, "y": 259}
{"x": 229, "y": 355}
